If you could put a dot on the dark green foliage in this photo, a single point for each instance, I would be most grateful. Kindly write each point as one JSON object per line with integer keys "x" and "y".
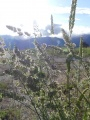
{"x": 48, "y": 98}
{"x": 11, "y": 95}
{"x": 10, "y": 114}
{"x": 41, "y": 75}
{"x": 32, "y": 83}
{"x": 35, "y": 71}
{"x": 3, "y": 86}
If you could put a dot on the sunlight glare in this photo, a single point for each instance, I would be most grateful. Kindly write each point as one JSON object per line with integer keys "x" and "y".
{"x": 17, "y": 12}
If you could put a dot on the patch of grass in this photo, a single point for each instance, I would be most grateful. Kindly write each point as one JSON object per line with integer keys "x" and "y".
{"x": 57, "y": 52}
{"x": 3, "y": 86}
{"x": 86, "y": 51}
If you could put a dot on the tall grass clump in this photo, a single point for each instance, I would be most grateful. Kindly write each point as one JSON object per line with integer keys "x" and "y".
{"x": 42, "y": 90}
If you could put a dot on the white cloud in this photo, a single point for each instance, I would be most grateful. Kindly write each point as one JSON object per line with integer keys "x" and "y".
{"x": 83, "y": 10}
{"x": 66, "y": 10}
{"x": 77, "y": 29}
{"x": 57, "y": 35}
{"x": 76, "y": 19}
{"x": 81, "y": 30}
{"x": 16, "y": 12}
{"x": 60, "y": 10}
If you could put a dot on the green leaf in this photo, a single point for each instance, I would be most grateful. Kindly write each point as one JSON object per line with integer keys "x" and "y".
{"x": 81, "y": 97}
{"x": 0, "y": 95}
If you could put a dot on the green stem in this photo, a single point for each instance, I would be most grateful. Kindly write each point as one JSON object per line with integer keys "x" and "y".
{"x": 68, "y": 85}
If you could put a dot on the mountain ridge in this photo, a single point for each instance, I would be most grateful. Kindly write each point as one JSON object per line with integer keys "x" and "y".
{"x": 26, "y": 43}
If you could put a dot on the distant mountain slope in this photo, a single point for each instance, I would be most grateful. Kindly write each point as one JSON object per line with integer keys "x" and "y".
{"x": 23, "y": 43}
{"x": 86, "y": 39}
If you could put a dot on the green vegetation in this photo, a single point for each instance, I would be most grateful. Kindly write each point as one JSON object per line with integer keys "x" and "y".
{"x": 49, "y": 92}
{"x": 86, "y": 51}
{"x": 10, "y": 114}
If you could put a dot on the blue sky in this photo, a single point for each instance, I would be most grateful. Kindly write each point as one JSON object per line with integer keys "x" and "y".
{"x": 22, "y": 13}
{"x": 83, "y": 11}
